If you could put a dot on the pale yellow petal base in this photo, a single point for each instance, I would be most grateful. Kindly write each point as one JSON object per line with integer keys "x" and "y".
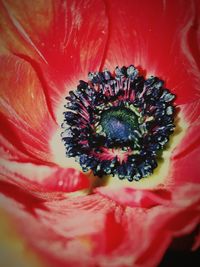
{"x": 14, "y": 252}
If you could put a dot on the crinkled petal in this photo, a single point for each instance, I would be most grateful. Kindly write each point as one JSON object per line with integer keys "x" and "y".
{"x": 101, "y": 231}
{"x": 112, "y": 227}
{"x": 41, "y": 180}
{"x": 63, "y": 40}
{"x": 128, "y": 196}
{"x": 161, "y": 38}
{"x": 25, "y": 120}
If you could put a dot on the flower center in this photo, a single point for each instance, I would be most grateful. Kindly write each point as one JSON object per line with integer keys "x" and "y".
{"x": 117, "y": 124}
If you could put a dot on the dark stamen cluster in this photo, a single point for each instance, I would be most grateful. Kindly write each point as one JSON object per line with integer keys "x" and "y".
{"x": 116, "y": 124}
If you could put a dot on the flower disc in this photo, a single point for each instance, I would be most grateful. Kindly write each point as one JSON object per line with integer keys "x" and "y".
{"x": 116, "y": 124}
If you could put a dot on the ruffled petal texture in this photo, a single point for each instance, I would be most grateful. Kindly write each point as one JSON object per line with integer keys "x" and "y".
{"x": 101, "y": 231}
{"x": 27, "y": 123}
{"x": 46, "y": 48}
{"x": 43, "y": 181}
{"x": 161, "y": 38}
{"x": 64, "y": 217}
{"x": 61, "y": 39}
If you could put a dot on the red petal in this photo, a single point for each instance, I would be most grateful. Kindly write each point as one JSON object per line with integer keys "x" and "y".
{"x": 41, "y": 180}
{"x": 185, "y": 158}
{"x": 66, "y": 180}
{"x": 25, "y": 119}
{"x": 161, "y": 38}
{"x": 103, "y": 233}
{"x": 196, "y": 244}
{"x": 62, "y": 40}
{"x": 96, "y": 229}
{"x": 128, "y": 196}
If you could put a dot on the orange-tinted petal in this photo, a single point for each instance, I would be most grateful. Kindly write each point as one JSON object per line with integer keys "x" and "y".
{"x": 25, "y": 120}
{"x": 63, "y": 40}
{"x": 161, "y": 38}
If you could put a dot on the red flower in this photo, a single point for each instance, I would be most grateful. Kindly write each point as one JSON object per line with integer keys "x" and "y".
{"x": 46, "y": 47}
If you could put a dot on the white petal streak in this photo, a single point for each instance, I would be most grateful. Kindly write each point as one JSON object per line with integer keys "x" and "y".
{"x": 66, "y": 33}
{"x": 164, "y": 5}
{"x": 185, "y": 45}
{"x": 22, "y": 32}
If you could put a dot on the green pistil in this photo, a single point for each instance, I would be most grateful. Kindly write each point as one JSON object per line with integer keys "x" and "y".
{"x": 119, "y": 123}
